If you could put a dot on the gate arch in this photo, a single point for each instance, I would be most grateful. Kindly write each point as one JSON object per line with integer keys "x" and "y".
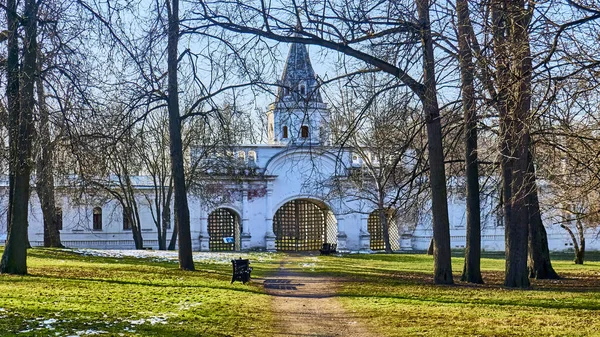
{"x": 304, "y": 225}
{"x": 224, "y": 223}
{"x": 375, "y": 228}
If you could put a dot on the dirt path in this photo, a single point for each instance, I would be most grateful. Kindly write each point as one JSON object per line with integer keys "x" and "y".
{"x": 306, "y": 305}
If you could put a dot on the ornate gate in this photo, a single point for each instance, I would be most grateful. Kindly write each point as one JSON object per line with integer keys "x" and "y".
{"x": 375, "y": 229}
{"x": 222, "y": 224}
{"x": 301, "y": 225}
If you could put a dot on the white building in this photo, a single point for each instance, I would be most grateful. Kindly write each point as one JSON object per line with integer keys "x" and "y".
{"x": 278, "y": 198}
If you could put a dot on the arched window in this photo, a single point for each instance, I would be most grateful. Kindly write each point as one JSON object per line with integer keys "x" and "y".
{"x": 304, "y": 131}
{"x": 252, "y": 156}
{"x": 59, "y": 218}
{"x": 126, "y": 218}
{"x": 97, "y": 219}
{"x": 302, "y": 89}
{"x": 285, "y": 131}
{"x": 241, "y": 156}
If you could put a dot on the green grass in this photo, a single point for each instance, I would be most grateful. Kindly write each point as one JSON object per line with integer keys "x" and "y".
{"x": 395, "y": 294}
{"x": 67, "y": 294}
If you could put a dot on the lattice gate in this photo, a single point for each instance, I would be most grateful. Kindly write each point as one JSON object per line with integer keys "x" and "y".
{"x": 376, "y": 232}
{"x": 223, "y": 223}
{"x": 301, "y": 225}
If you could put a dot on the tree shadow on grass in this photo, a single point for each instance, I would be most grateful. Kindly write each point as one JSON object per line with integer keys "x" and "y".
{"x": 234, "y": 287}
{"x": 546, "y": 304}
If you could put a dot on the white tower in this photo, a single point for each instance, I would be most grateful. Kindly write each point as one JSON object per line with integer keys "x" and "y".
{"x": 298, "y": 116}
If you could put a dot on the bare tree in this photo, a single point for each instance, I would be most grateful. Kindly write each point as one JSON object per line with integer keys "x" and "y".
{"x": 472, "y": 269}
{"x": 353, "y": 29}
{"x": 20, "y": 94}
{"x": 45, "y": 167}
{"x": 375, "y": 124}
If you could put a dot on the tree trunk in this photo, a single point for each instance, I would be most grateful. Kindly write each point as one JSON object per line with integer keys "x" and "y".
{"x": 12, "y": 97}
{"x": 580, "y": 253}
{"x": 539, "y": 264}
{"x": 573, "y": 239}
{"x": 442, "y": 273}
{"x": 137, "y": 225}
{"x": 182, "y": 213}
{"x": 579, "y": 256}
{"x": 383, "y": 220}
{"x": 14, "y": 258}
{"x": 166, "y": 218}
{"x": 130, "y": 204}
{"x": 472, "y": 269}
{"x": 45, "y": 169}
{"x": 517, "y": 226}
{"x": 162, "y": 241}
{"x": 430, "y": 248}
{"x": 173, "y": 240}
{"x": 137, "y": 237}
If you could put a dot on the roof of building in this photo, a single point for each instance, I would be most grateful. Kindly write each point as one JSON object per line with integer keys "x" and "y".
{"x": 298, "y": 70}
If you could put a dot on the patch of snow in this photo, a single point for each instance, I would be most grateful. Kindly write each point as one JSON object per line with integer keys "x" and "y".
{"x": 151, "y": 320}
{"x": 170, "y": 256}
{"x": 49, "y": 321}
{"x": 187, "y": 306}
{"x": 89, "y": 332}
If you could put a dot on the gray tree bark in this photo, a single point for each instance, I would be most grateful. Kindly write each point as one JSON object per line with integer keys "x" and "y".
{"x": 472, "y": 269}
{"x": 14, "y": 258}
{"x": 182, "y": 213}
{"x": 442, "y": 273}
{"x": 517, "y": 226}
{"x": 45, "y": 169}
{"x": 539, "y": 264}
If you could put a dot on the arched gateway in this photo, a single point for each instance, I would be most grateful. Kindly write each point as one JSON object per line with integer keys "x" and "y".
{"x": 224, "y": 230}
{"x": 303, "y": 225}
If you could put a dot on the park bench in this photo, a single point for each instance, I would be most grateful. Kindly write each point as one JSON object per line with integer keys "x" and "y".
{"x": 328, "y": 248}
{"x": 241, "y": 270}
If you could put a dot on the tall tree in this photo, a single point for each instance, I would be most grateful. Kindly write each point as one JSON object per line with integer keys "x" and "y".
{"x": 20, "y": 94}
{"x": 182, "y": 212}
{"x": 472, "y": 269}
{"x": 510, "y": 22}
{"x": 497, "y": 82}
{"x": 45, "y": 167}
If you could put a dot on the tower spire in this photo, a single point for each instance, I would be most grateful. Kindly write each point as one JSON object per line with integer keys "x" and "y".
{"x": 298, "y": 116}
{"x": 298, "y": 80}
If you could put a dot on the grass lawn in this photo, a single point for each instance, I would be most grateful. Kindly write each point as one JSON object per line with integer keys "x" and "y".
{"x": 395, "y": 293}
{"x": 69, "y": 294}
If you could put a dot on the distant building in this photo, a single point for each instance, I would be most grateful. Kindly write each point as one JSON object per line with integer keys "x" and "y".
{"x": 277, "y": 198}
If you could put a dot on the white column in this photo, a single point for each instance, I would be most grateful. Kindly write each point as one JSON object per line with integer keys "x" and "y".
{"x": 245, "y": 237}
{"x": 364, "y": 238}
{"x": 341, "y": 236}
{"x": 269, "y": 235}
{"x": 245, "y": 209}
{"x": 204, "y": 231}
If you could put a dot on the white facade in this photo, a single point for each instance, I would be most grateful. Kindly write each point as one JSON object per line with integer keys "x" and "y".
{"x": 296, "y": 165}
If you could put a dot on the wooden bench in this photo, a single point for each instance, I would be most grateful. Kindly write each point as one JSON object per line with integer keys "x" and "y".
{"x": 328, "y": 248}
{"x": 241, "y": 270}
